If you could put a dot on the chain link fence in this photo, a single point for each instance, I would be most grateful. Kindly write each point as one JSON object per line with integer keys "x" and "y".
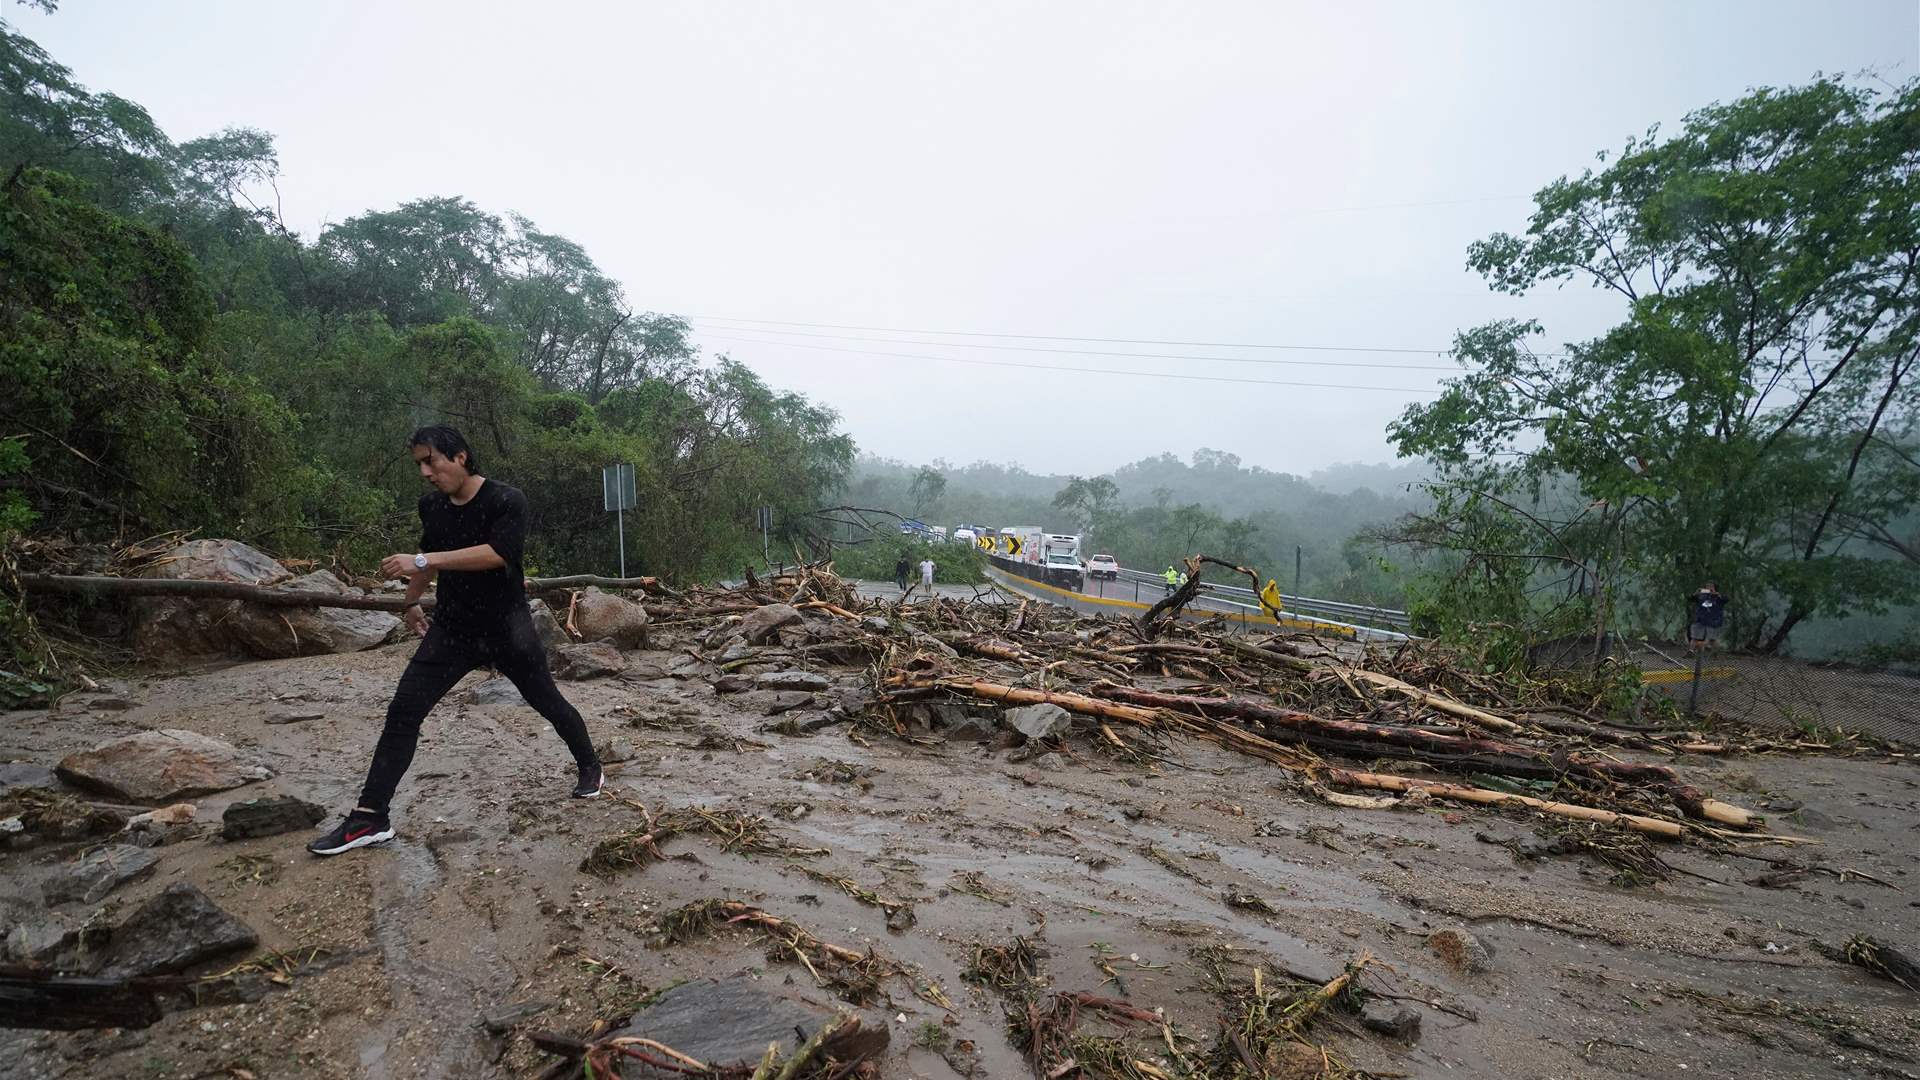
{"x": 1769, "y": 692}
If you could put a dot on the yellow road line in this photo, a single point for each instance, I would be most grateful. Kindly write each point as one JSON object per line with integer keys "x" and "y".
{"x": 1665, "y": 676}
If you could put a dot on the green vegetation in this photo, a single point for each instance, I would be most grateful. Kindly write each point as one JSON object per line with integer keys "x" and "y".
{"x": 1750, "y": 421}
{"x": 953, "y": 564}
{"x": 176, "y": 359}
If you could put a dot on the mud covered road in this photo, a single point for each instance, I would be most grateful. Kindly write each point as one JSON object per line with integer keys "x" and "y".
{"x": 1116, "y": 871}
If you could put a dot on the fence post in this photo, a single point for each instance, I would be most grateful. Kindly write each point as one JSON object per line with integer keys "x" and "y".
{"x": 1693, "y": 694}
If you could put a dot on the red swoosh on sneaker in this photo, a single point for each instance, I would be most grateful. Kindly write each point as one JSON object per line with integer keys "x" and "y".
{"x": 357, "y": 834}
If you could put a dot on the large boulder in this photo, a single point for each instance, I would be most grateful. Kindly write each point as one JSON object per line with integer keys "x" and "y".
{"x": 161, "y": 767}
{"x": 168, "y": 629}
{"x": 730, "y": 1023}
{"x": 1042, "y": 721}
{"x": 275, "y": 633}
{"x": 600, "y": 616}
{"x": 546, "y": 626}
{"x": 762, "y": 623}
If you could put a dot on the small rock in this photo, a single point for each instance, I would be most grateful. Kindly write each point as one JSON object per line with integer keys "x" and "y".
{"x": 1050, "y": 762}
{"x": 295, "y": 716}
{"x": 495, "y": 691}
{"x": 269, "y": 817}
{"x": 162, "y": 766}
{"x": 763, "y": 623}
{"x": 854, "y": 700}
{"x": 875, "y": 624}
{"x": 1350, "y": 931}
{"x": 779, "y": 701}
{"x": 172, "y": 932}
{"x": 1393, "y": 1022}
{"x": 732, "y": 684}
{"x": 502, "y": 1021}
{"x": 616, "y": 750}
{"x": 970, "y": 729}
{"x": 111, "y": 703}
{"x": 791, "y": 680}
{"x": 24, "y": 775}
{"x": 38, "y": 941}
{"x": 98, "y": 874}
{"x": 900, "y": 919}
{"x": 737, "y": 651}
{"x": 1462, "y": 950}
{"x": 1031, "y": 778}
{"x": 1042, "y": 721}
{"x": 591, "y": 660}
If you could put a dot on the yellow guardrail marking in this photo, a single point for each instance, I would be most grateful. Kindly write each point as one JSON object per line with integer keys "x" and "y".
{"x": 1666, "y": 676}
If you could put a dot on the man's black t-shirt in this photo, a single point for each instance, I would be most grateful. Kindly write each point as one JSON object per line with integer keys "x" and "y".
{"x": 476, "y": 603}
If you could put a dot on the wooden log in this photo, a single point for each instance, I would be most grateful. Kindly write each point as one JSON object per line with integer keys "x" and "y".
{"x": 276, "y": 596}
{"x": 1671, "y": 830}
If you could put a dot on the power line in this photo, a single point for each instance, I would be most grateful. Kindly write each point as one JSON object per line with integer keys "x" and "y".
{"x": 1099, "y": 352}
{"x": 1060, "y": 337}
{"x": 1075, "y": 370}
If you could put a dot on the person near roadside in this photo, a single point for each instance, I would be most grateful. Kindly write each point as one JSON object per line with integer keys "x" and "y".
{"x": 926, "y": 575}
{"x": 1706, "y": 616}
{"x": 473, "y": 531}
{"x": 1173, "y": 579}
{"x": 900, "y": 569}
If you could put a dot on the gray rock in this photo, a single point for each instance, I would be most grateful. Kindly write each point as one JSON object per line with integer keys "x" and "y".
{"x": 111, "y": 703}
{"x": 38, "y": 940}
{"x": 25, "y": 776}
{"x": 763, "y": 623}
{"x": 776, "y": 702}
{"x": 546, "y": 626}
{"x": 1393, "y": 1021}
{"x": 684, "y": 666}
{"x": 737, "y": 651}
{"x": 970, "y": 729}
{"x": 875, "y": 624}
{"x": 294, "y": 716}
{"x": 162, "y": 766}
{"x": 98, "y": 874}
{"x": 495, "y": 691}
{"x": 601, "y": 616}
{"x": 268, "y": 817}
{"x": 791, "y": 680}
{"x": 503, "y": 1020}
{"x": 616, "y": 750}
{"x": 592, "y": 660}
{"x": 1042, "y": 721}
{"x": 1461, "y": 950}
{"x": 855, "y": 701}
{"x": 280, "y": 632}
{"x": 730, "y": 1023}
{"x": 732, "y": 684}
{"x": 172, "y": 932}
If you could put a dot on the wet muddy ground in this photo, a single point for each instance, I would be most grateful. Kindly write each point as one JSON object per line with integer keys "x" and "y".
{"x": 1116, "y": 870}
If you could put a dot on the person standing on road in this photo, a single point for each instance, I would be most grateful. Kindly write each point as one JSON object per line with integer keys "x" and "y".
{"x": 926, "y": 575}
{"x": 473, "y": 531}
{"x": 1707, "y": 614}
{"x": 900, "y": 573}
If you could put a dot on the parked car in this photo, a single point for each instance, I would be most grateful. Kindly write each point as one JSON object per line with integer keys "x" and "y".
{"x": 1103, "y": 566}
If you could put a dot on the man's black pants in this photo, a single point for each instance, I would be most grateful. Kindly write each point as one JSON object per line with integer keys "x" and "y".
{"x": 442, "y": 660}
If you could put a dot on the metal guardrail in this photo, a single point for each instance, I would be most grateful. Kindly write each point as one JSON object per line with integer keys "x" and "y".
{"x": 1330, "y": 610}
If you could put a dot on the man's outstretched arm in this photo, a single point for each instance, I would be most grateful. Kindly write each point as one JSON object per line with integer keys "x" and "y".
{"x": 477, "y": 557}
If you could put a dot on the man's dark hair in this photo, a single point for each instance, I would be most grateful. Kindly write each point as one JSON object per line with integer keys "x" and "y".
{"x": 446, "y": 440}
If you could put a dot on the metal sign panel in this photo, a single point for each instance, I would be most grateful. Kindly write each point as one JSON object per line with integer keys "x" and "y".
{"x": 616, "y": 488}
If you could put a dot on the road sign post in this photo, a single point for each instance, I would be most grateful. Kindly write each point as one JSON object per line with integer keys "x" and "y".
{"x": 617, "y": 495}
{"x": 766, "y": 529}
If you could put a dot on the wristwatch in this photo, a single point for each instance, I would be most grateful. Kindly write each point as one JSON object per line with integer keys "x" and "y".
{"x": 419, "y": 562}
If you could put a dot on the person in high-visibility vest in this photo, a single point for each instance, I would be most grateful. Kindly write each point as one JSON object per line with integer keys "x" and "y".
{"x": 1173, "y": 579}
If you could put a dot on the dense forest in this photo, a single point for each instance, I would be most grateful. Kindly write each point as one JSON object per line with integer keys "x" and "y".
{"x": 177, "y": 360}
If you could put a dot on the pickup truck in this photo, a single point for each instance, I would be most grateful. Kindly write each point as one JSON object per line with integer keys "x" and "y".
{"x": 1103, "y": 566}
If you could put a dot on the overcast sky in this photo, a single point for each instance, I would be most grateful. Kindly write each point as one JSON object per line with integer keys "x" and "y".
{"x": 1277, "y": 174}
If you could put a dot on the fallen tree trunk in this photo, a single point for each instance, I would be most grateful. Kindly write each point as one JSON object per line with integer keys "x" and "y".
{"x": 1477, "y": 754}
{"x": 274, "y": 596}
{"x": 1671, "y": 830}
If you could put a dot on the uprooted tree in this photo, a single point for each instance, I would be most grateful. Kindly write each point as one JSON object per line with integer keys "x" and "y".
{"x": 1751, "y": 419}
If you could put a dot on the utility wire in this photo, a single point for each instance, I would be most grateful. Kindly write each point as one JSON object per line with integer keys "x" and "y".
{"x": 1059, "y": 337}
{"x": 1092, "y": 352}
{"x": 1075, "y": 370}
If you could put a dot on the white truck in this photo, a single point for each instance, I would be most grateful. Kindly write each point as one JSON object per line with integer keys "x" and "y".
{"x": 1060, "y": 555}
{"x": 1026, "y": 538}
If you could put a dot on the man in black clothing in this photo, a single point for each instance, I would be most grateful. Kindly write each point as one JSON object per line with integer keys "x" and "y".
{"x": 1706, "y": 615}
{"x": 473, "y": 531}
{"x": 900, "y": 573}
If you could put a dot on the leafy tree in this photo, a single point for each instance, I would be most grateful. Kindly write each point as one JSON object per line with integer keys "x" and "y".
{"x": 928, "y": 485}
{"x": 1732, "y": 427}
